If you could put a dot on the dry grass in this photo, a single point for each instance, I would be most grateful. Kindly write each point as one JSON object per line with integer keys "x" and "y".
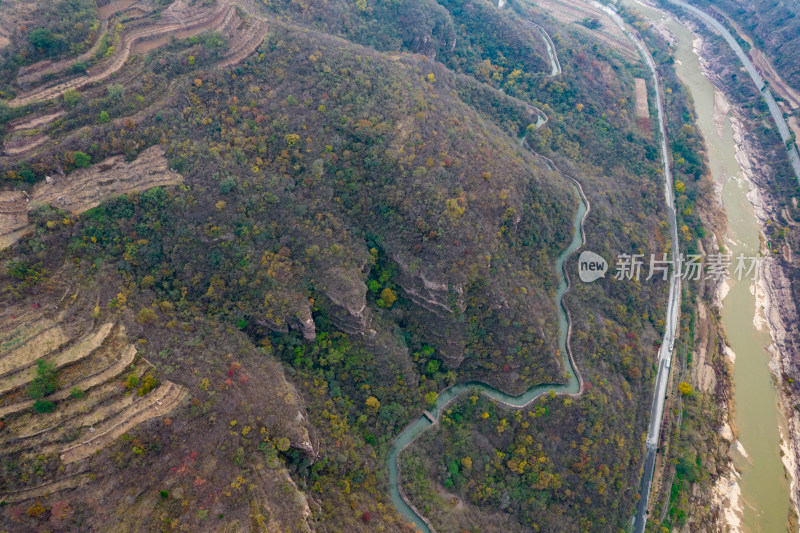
{"x": 159, "y": 402}
{"x": 36, "y": 348}
{"x": 76, "y": 352}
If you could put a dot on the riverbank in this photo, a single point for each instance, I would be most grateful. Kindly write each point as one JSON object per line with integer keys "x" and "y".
{"x": 775, "y": 312}
{"x": 761, "y": 450}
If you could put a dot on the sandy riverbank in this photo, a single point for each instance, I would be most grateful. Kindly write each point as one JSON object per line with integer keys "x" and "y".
{"x": 775, "y": 307}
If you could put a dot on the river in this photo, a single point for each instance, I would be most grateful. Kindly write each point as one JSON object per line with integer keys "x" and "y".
{"x": 764, "y": 487}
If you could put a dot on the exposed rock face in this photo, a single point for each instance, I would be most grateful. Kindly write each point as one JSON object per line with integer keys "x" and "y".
{"x": 306, "y": 324}
{"x": 347, "y": 292}
{"x": 435, "y": 296}
{"x": 296, "y": 315}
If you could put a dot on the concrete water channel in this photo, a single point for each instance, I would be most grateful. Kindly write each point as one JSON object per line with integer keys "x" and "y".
{"x": 573, "y": 386}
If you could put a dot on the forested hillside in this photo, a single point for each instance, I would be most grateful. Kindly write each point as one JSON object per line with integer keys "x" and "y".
{"x": 302, "y": 221}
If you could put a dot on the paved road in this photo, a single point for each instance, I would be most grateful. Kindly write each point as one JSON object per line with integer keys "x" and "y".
{"x": 673, "y": 300}
{"x": 774, "y": 110}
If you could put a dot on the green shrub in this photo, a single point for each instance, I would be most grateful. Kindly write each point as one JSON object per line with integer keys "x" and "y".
{"x": 149, "y": 382}
{"x": 82, "y": 160}
{"x": 45, "y": 381}
{"x": 227, "y": 185}
{"x": 132, "y": 382}
{"x": 146, "y": 315}
{"x": 44, "y": 406}
{"x": 71, "y": 97}
{"x": 76, "y": 392}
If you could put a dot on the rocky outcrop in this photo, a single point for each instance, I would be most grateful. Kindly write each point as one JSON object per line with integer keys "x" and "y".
{"x": 296, "y": 315}
{"x": 347, "y": 292}
{"x": 438, "y": 297}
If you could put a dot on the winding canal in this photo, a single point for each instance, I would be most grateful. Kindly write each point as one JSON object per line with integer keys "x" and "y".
{"x": 449, "y": 395}
{"x": 574, "y": 383}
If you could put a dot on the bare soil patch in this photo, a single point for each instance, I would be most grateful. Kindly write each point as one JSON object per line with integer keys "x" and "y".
{"x": 84, "y": 189}
{"x": 642, "y": 107}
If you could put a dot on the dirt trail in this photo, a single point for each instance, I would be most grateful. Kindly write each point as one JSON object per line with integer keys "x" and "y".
{"x": 111, "y": 8}
{"x": 36, "y": 121}
{"x": 26, "y": 145}
{"x": 71, "y": 482}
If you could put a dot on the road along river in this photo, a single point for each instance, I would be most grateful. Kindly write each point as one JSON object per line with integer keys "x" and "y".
{"x": 774, "y": 110}
{"x": 764, "y": 487}
{"x": 665, "y": 352}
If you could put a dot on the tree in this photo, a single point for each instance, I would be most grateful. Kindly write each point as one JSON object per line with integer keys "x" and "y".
{"x": 46, "y": 41}
{"x": 71, "y": 97}
{"x": 146, "y": 316}
{"x": 684, "y": 388}
{"x": 388, "y": 296}
{"x": 44, "y": 406}
{"x": 373, "y": 402}
{"x": 432, "y": 367}
{"x": 82, "y": 160}
{"x": 45, "y": 381}
{"x": 227, "y": 185}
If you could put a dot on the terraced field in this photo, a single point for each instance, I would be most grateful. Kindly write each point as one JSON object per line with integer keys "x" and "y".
{"x": 104, "y": 389}
{"x": 179, "y": 21}
{"x": 143, "y": 31}
{"x": 574, "y": 12}
{"x": 84, "y": 189}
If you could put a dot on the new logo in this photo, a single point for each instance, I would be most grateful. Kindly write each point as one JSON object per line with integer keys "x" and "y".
{"x": 591, "y": 266}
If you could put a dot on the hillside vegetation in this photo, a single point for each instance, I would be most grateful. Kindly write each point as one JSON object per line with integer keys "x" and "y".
{"x": 354, "y": 216}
